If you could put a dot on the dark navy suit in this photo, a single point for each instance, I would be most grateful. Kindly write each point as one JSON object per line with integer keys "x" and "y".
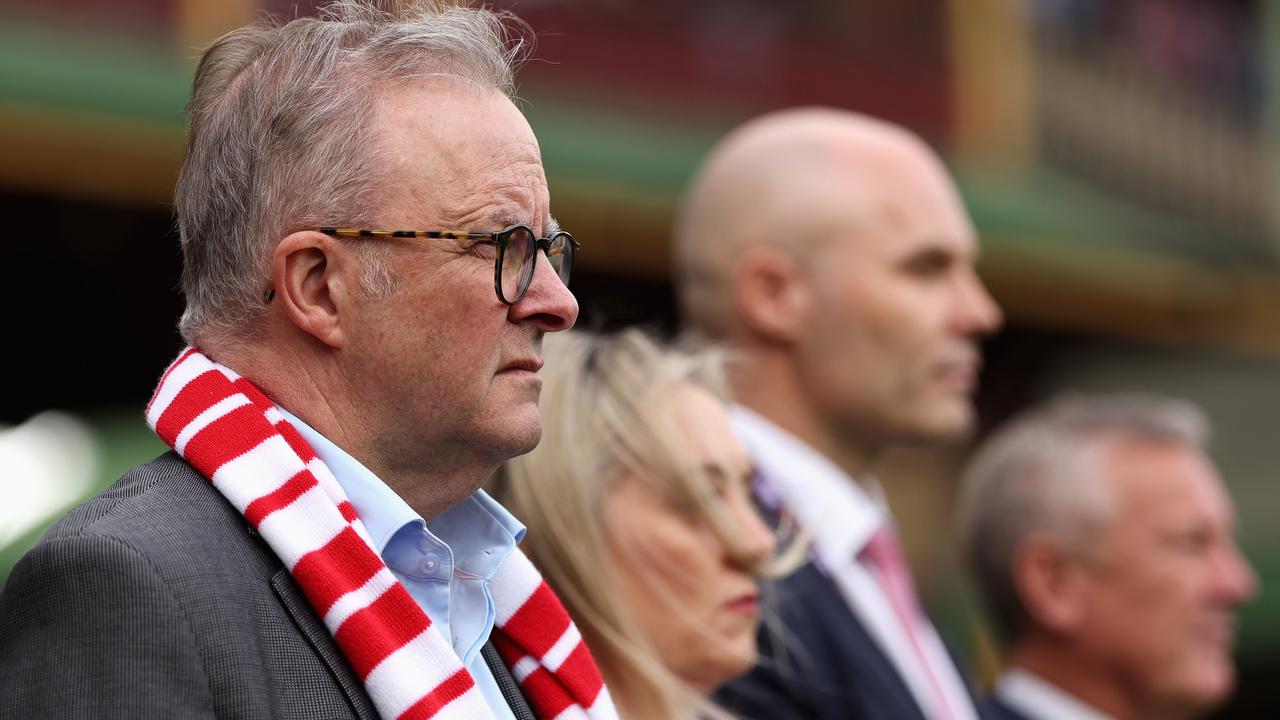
{"x": 825, "y": 665}
{"x": 993, "y": 709}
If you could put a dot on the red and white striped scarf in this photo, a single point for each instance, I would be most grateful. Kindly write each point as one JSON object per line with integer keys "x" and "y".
{"x": 237, "y": 438}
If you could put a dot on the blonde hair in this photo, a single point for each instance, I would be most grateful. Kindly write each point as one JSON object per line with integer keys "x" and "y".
{"x": 605, "y": 413}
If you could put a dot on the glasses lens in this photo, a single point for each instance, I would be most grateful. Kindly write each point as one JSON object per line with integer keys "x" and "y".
{"x": 561, "y": 255}
{"x": 517, "y": 263}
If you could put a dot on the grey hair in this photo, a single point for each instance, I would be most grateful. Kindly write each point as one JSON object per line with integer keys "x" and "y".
{"x": 1041, "y": 473}
{"x": 281, "y": 136}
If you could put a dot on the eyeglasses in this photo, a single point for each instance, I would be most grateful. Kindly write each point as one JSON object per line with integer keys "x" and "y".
{"x": 517, "y": 252}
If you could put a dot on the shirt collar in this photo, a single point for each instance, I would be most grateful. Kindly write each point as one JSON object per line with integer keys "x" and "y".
{"x": 825, "y": 501}
{"x": 477, "y": 533}
{"x": 480, "y": 532}
{"x": 1034, "y": 697}
{"x": 381, "y": 510}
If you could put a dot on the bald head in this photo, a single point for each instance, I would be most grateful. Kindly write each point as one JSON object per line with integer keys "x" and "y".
{"x": 833, "y": 252}
{"x": 790, "y": 180}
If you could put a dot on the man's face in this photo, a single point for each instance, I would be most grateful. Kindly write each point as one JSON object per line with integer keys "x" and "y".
{"x": 449, "y": 372}
{"x": 892, "y": 354}
{"x": 1159, "y": 604}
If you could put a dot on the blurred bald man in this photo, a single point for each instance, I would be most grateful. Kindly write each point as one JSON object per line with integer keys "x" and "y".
{"x": 832, "y": 253}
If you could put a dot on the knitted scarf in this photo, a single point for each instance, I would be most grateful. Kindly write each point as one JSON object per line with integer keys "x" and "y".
{"x": 236, "y": 437}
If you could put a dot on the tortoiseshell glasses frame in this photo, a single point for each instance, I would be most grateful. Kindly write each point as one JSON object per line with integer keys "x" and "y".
{"x": 518, "y": 241}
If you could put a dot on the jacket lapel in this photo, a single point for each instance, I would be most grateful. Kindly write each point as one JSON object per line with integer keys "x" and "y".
{"x": 295, "y": 603}
{"x": 315, "y": 632}
{"x": 506, "y": 683}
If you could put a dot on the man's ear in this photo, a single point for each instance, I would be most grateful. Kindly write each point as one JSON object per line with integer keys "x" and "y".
{"x": 772, "y": 295}
{"x": 1050, "y": 582}
{"x": 306, "y": 269}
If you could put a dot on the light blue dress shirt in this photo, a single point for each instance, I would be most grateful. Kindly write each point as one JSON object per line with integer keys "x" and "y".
{"x": 445, "y": 564}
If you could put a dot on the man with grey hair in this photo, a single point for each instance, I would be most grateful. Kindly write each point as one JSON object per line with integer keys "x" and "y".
{"x": 370, "y": 264}
{"x": 1102, "y": 538}
{"x": 832, "y": 253}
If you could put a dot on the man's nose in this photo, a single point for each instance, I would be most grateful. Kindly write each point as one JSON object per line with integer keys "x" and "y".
{"x": 547, "y": 303}
{"x": 976, "y": 311}
{"x": 1237, "y": 579}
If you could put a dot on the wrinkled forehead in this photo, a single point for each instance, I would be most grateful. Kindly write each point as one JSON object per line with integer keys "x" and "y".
{"x": 1164, "y": 482}
{"x": 459, "y": 150}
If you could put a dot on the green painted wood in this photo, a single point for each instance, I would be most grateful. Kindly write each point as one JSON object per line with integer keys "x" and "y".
{"x": 647, "y": 157}
{"x": 76, "y": 73}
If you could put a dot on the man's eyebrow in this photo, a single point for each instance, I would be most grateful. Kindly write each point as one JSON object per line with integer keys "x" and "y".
{"x": 505, "y": 220}
{"x": 501, "y": 220}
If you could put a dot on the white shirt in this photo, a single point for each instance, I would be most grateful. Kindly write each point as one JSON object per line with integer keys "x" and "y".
{"x": 842, "y": 516}
{"x": 1035, "y": 698}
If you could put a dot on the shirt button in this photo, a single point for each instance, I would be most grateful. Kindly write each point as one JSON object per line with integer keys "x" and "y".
{"x": 430, "y": 562}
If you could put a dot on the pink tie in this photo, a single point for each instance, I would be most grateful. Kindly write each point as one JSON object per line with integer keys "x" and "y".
{"x": 884, "y": 554}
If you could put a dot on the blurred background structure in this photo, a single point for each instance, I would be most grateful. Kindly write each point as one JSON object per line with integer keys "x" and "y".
{"x": 1121, "y": 159}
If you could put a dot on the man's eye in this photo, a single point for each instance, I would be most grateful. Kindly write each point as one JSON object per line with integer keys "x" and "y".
{"x": 928, "y": 264}
{"x": 485, "y": 248}
{"x": 1192, "y": 541}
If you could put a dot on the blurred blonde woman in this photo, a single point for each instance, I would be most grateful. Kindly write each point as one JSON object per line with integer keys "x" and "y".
{"x": 639, "y": 515}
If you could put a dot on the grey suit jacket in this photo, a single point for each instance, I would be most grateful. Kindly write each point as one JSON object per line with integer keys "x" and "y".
{"x": 156, "y": 599}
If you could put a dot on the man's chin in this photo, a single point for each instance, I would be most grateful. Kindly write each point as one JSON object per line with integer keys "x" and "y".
{"x": 1217, "y": 682}
{"x": 528, "y": 443}
{"x": 522, "y": 434}
{"x": 1205, "y": 681}
{"x": 945, "y": 425}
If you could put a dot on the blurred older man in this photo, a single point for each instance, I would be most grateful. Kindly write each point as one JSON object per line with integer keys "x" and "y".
{"x": 370, "y": 264}
{"x": 832, "y": 252}
{"x": 1102, "y": 536}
